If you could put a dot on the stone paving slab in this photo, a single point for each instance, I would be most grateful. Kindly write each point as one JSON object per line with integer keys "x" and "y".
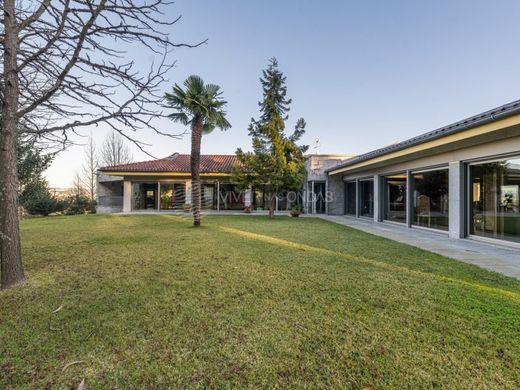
{"x": 498, "y": 258}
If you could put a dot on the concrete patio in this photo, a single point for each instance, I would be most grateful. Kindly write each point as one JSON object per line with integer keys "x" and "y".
{"x": 502, "y": 259}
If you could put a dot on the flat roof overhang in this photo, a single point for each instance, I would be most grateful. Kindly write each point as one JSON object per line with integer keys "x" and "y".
{"x": 492, "y": 131}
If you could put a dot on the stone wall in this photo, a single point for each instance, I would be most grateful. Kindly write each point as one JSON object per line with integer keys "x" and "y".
{"x": 110, "y": 196}
{"x": 335, "y": 195}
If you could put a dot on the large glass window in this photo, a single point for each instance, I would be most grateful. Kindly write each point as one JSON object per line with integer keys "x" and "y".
{"x": 494, "y": 197}
{"x": 259, "y": 199}
{"x": 208, "y": 199}
{"x": 144, "y": 196}
{"x": 173, "y": 196}
{"x": 366, "y": 198}
{"x": 319, "y": 197}
{"x": 394, "y": 206}
{"x": 350, "y": 198}
{"x": 431, "y": 198}
{"x": 231, "y": 198}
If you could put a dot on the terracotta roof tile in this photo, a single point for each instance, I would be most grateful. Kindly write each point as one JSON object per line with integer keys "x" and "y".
{"x": 209, "y": 163}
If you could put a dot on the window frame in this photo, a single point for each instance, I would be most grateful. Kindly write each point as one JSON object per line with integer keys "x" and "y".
{"x": 383, "y": 196}
{"x": 347, "y": 182}
{"x": 468, "y": 197}
{"x": 444, "y": 167}
{"x": 360, "y": 181}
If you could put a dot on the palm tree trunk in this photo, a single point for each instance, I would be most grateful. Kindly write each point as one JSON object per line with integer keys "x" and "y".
{"x": 196, "y": 138}
{"x": 10, "y": 253}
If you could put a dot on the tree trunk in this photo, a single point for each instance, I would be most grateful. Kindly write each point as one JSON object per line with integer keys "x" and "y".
{"x": 272, "y": 205}
{"x": 196, "y": 138}
{"x": 10, "y": 253}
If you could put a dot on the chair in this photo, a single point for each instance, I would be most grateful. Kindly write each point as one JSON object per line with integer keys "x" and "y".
{"x": 423, "y": 209}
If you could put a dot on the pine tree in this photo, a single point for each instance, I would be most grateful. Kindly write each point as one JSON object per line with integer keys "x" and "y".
{"x": 32, "y": 161}
{"x": 276, "y": 162}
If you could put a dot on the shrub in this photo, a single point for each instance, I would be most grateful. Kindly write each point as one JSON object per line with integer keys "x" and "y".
{"x": 79, "y": 204}
{"x": 37, "y": 199}
{"x": 296, "y": 210}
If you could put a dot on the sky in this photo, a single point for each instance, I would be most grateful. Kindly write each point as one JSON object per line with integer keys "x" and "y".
{"x": 363, "y": 74}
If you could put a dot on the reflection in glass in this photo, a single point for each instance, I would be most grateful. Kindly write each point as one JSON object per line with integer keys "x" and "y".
{"x": 495, "y": 193}
{"x": 231, "y": 198}
{"x": 394, "y": 188}
{"x": 366, "y": 198}
{"x": 173, "y": 196}
{"x": 208, "y": 200}
{"x": 144, "y": 196}
{"x": 431, "y": 199}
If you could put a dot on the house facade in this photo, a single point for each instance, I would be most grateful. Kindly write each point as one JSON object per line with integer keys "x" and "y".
{"x": 165, "y": 185}
{"x": 314, "y": 188}
{"x": 462, "y": 179}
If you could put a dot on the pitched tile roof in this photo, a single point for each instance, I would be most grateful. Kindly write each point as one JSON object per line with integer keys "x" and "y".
{"x": 180, "y": 163}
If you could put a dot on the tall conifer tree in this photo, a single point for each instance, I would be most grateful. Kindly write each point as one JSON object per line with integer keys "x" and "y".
{"x": 276, "y": 162}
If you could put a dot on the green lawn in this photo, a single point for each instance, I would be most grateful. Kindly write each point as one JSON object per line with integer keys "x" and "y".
{"x": 150, "y": 302}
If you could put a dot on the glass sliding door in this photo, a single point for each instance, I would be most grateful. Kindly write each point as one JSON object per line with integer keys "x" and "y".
{"x": 283, "y": 202}
{"x": 208, "y": 199}
{"x": 319, "y": 197}
{"x": 366, "y": 198}
{"x": 350, "y": 198}
{"x": 431, "y": 199}
{"x": 144, "y": 196}
{"x": 173, "y": 196}
{"x": 259, "y": 199}
{"x": 394, "y": 203}
{"x": 231, "y": 198}
{"x": 495, "y": 199}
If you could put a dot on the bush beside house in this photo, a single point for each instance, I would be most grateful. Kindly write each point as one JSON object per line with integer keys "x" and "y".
{"x": 37, "y": 199}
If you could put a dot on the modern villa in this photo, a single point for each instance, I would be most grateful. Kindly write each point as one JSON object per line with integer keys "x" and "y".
{"x": 314, "y": 188}
{"x": 462, "y": 179}
{"x": 165, "y": 185}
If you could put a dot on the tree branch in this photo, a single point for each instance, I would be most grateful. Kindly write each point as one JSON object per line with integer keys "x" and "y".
{"x": 35, "y": 16}
{"x": 73, "y": 68}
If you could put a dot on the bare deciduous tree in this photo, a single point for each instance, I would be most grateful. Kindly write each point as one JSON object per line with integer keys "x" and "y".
{"x": 64, "y": 68}
{"x": 78, "y": 188}
{"x": 90, "y": 167}
{"x": 115, "y": 151}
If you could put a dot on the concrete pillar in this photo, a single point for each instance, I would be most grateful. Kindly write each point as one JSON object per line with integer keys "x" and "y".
{"x": 248, "y": 197}
{"x": 305, "y": 199}
{"x": 127, "y": 196}
{"x": 313, "y": 199}
{"x": 327, "y": 195}
{"x": 456, "y": 200}
{"x": 378, "y": 196}
{"x": 218, "y": 195}
{"x": 357, "y": 198}
{"x": 335, "y": 195}
{"x": 158, "y": 196}
{"x": 409, "y": 199}
{"x": 188, "y": 192}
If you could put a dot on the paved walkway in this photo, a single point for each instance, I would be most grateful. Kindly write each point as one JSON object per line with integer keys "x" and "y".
{"x": 492, "y": 257}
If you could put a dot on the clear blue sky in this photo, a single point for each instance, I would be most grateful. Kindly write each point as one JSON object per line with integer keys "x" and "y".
{"x": 363, "y": 73}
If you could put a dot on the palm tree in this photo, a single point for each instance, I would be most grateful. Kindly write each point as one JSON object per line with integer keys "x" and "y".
{"x": 200, "y": 106}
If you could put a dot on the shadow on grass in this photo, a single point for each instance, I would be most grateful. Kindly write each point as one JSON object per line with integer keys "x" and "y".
{"x": 379, "y": 264}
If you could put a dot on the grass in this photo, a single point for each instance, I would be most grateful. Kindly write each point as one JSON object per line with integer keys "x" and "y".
{"x": 149, "y": 302}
